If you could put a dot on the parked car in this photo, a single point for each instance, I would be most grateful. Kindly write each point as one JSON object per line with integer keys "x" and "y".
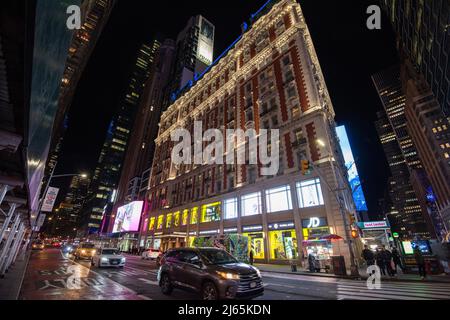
{"x": 38, "y": 245}
{"x": 151, "y": 254}
{"x": 108, "y": 257}
{"x": 85, "y": 251}
{"x": 211, "y": 272}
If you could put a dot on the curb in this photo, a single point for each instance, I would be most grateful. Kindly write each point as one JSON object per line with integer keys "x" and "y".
{"x": 352, "y": 277}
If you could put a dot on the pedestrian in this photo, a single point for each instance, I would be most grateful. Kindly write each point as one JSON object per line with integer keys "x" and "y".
{"x": 368, "y": 256}
{"x": 311, "y": 262}
{"x": 420, "y": 260}
{"x": 380, "y": 261}
{"x": 387, "y": 256}
{"x": 396, "y": 259}
{"x": 251, "y": 257}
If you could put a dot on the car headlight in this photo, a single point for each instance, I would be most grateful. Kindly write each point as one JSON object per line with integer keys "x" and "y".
{"x": 123, "y": 260}
{"x": 104, "y": 259}
{"x": 94, "y": 251}
{"x": 228, "y": 275}
{"x": 83, "y": 251}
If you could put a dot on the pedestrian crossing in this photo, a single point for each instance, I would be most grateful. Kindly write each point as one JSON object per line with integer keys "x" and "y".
{"x": 358, "y": 290}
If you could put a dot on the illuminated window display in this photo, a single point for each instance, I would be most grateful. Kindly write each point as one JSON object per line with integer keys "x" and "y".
{"x": 160, "y": 222}
{"x": 152, "y": 223}
{"x": 194, "y": 215}
{"x": 211, "y": 212}
{"x": 251, "y": 204}
{"x": 279, "y": 199}
{"x": 256, "y": 243}
{"x": 283, "y": 245}
{"x": 184, "y": 220}
{"x": 176, "y": 219}
{"x": 230, "y": 207}
{"x": 169, "y": 221}
{"x": 309, "y": 193}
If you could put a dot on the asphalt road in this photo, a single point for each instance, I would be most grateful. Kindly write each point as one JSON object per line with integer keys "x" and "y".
{"x": 49, "y": 273}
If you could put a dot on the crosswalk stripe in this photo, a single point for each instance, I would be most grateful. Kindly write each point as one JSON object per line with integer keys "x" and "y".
{"x": 394, "y": 287}
{"x": 351, "y": 297}
{"x": 399, "y": 291}
{"x": 352, "y": 293}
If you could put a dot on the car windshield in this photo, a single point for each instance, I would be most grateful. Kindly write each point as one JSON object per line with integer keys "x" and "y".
{"x": 111, "y": 251}
{"x": 88, "y": 246}
{"x": 217, "y": 257}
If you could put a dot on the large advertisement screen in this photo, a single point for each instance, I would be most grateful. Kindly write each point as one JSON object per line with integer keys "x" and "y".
{"x": 128, "y": 217}
{"x": 353, "y": 176}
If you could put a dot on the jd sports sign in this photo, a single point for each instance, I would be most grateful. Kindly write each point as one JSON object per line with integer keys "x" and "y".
{"x": 314, "y": 222}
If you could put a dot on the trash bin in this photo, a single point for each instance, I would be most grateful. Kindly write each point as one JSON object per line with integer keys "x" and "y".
{"x": 338, "y": 263}
{"x": 293, "y": 267}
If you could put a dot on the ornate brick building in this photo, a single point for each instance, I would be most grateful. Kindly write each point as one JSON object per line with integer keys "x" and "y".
{"x": 270, "y": 78}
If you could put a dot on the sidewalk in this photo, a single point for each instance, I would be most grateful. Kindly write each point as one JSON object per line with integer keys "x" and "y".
{"x": 12, "y": 282}
{"x": 286, "y": 269}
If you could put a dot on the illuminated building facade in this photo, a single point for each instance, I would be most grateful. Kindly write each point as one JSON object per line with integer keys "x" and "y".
{"x": 107, "y": 172}
{"x": 269, "y": 78}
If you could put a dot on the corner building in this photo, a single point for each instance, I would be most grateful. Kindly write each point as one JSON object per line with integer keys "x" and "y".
{"x": 269, "y": 79}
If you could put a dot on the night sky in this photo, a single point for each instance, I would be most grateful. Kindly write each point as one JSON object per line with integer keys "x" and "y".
{"x": 348, "y": 53}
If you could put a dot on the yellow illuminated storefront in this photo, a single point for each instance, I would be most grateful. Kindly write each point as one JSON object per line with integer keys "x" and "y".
{"x": 283, "y": 245}
{"x": 160, "y": 224}
{"x": 184, "y": 220}
{"x": 176, "y": 219}
{"x": 194, "y": 215}
{"x": 256, "y": 244}
{"x": 211, "y": 212}
{"x": 169, "y": 221}
{"x": 152, "y": 224}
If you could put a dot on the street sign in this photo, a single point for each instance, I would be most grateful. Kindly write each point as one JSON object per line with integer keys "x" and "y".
{"x": 50, "y": 199}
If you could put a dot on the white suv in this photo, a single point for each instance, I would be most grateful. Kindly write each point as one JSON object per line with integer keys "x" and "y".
{"x": 108, "y": 257}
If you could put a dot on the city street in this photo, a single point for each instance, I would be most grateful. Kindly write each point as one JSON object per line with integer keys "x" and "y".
{"x": 49, "y": 273}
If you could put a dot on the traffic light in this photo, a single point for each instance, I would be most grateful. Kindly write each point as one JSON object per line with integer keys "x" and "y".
{"x": 355, "y": 234}
{"x": 305, "y": 167}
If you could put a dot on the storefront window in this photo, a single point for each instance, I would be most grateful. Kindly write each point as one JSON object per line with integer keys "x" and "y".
{"x": 211, "y": 212}
{"x": 283, "y": 245}
{"x": 169, "y": 221}
{"x": 230, "y": 208}
{"x": 251, "y": 204}
{"x": 152, "y": 223}
{"x": 256, "y": 243}
{"x": 279, "y": 199}
{"x": 160, "y": 222}
{"x": 184, "y": 220}
{"x": 194, "y": 215}
{"x": 176, "y": 219}
{"x": 309, "y": 193}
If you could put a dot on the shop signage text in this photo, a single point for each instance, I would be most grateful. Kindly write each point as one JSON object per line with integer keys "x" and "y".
{"x": 373, "y": 224}
{"x": 314, "y": 222}
{"x": 282, "y": 226}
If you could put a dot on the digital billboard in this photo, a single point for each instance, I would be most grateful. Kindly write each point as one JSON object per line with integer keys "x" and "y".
{"x": 353, "y": 176}
{"x": 128, "y": 217}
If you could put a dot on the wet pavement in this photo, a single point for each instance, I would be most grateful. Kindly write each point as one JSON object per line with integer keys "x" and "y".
{"x": 50, "y": 276}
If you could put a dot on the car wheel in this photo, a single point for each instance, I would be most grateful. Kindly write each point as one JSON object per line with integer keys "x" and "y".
{"x": 166, "y": 286}
{"x": 209, "y": 291}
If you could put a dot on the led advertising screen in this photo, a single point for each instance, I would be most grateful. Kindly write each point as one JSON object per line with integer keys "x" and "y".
{"x": 353, "y": 176}
{"x": 128, "y": 217}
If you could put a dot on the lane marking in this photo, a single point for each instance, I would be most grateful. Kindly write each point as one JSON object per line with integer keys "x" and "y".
{"x": 154, "y": 283}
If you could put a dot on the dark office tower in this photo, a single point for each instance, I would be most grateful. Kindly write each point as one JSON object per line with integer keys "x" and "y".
{"x": 76, "y": 195}
{"x": 194, "y": 53}
{"x": 95, "y": 15}
{"x": 407, "y": 217}
{"x": 107, "y": 172}
{"x": 138, "y": 159}
{"x": 423, "y": 28}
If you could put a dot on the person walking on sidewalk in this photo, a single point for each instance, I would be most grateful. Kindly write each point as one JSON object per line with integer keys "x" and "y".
{"x": 396, "y": 259}
{"x": 420, "y": 260}
{"x": 387, "y": 256}
{"x": 251, "y": 257}
{"x": 379, "y": 257}
{"x": 368, "y": 256}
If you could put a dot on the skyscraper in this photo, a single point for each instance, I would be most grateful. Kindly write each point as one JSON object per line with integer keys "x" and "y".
{"x": 423, "y": 28}
{"x": 407, "y": 219}
{"x": 194, "y": 53}
{"x": 107, "y": 172}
